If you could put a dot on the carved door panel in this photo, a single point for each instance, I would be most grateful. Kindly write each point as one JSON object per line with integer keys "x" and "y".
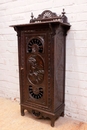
{"x": 36, "y": 68}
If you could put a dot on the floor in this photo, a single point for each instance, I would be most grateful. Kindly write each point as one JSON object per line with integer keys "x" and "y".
{"x": 10, "y": 119}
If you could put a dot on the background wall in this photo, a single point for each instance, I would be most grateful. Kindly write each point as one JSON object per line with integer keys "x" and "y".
{"x": 19, "y": 11}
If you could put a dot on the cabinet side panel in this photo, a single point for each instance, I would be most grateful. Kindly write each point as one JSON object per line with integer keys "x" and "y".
{"x": 59, "y": 68}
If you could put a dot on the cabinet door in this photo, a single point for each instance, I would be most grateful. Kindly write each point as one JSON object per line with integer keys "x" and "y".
{"x": 36, "y": 89}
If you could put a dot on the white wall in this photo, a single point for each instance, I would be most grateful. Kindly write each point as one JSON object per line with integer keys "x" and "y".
{"x": 18, "y": 12}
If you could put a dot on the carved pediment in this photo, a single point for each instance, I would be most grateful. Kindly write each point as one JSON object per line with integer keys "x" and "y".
{"x": 48, "y": 15}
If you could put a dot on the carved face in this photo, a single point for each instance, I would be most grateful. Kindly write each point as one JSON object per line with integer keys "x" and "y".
{"x": 35, "y": 48}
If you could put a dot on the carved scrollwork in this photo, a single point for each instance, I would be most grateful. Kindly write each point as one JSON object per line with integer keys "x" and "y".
{"x": 36, "y": 114}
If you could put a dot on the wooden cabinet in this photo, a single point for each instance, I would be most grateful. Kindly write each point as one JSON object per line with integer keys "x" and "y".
{"x": 41, "y": 48}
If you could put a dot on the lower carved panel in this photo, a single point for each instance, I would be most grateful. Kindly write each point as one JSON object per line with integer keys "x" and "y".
{"x": 36, "y": 92}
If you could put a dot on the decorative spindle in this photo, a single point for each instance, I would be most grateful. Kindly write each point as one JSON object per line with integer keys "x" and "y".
{"x": 32, "y": 15}
{"x": 64, "y": 18}
{"x": 63, "y": 13}
{"x": 32, "y": 18}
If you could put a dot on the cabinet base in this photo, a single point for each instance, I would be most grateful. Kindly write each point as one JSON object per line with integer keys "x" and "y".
{"x": 41, "y": 114}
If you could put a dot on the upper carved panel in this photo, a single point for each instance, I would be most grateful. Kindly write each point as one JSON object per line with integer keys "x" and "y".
{"x": 35, "y": 45}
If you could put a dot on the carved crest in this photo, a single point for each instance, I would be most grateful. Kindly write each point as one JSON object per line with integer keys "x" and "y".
{"x": 47, "y": 14}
